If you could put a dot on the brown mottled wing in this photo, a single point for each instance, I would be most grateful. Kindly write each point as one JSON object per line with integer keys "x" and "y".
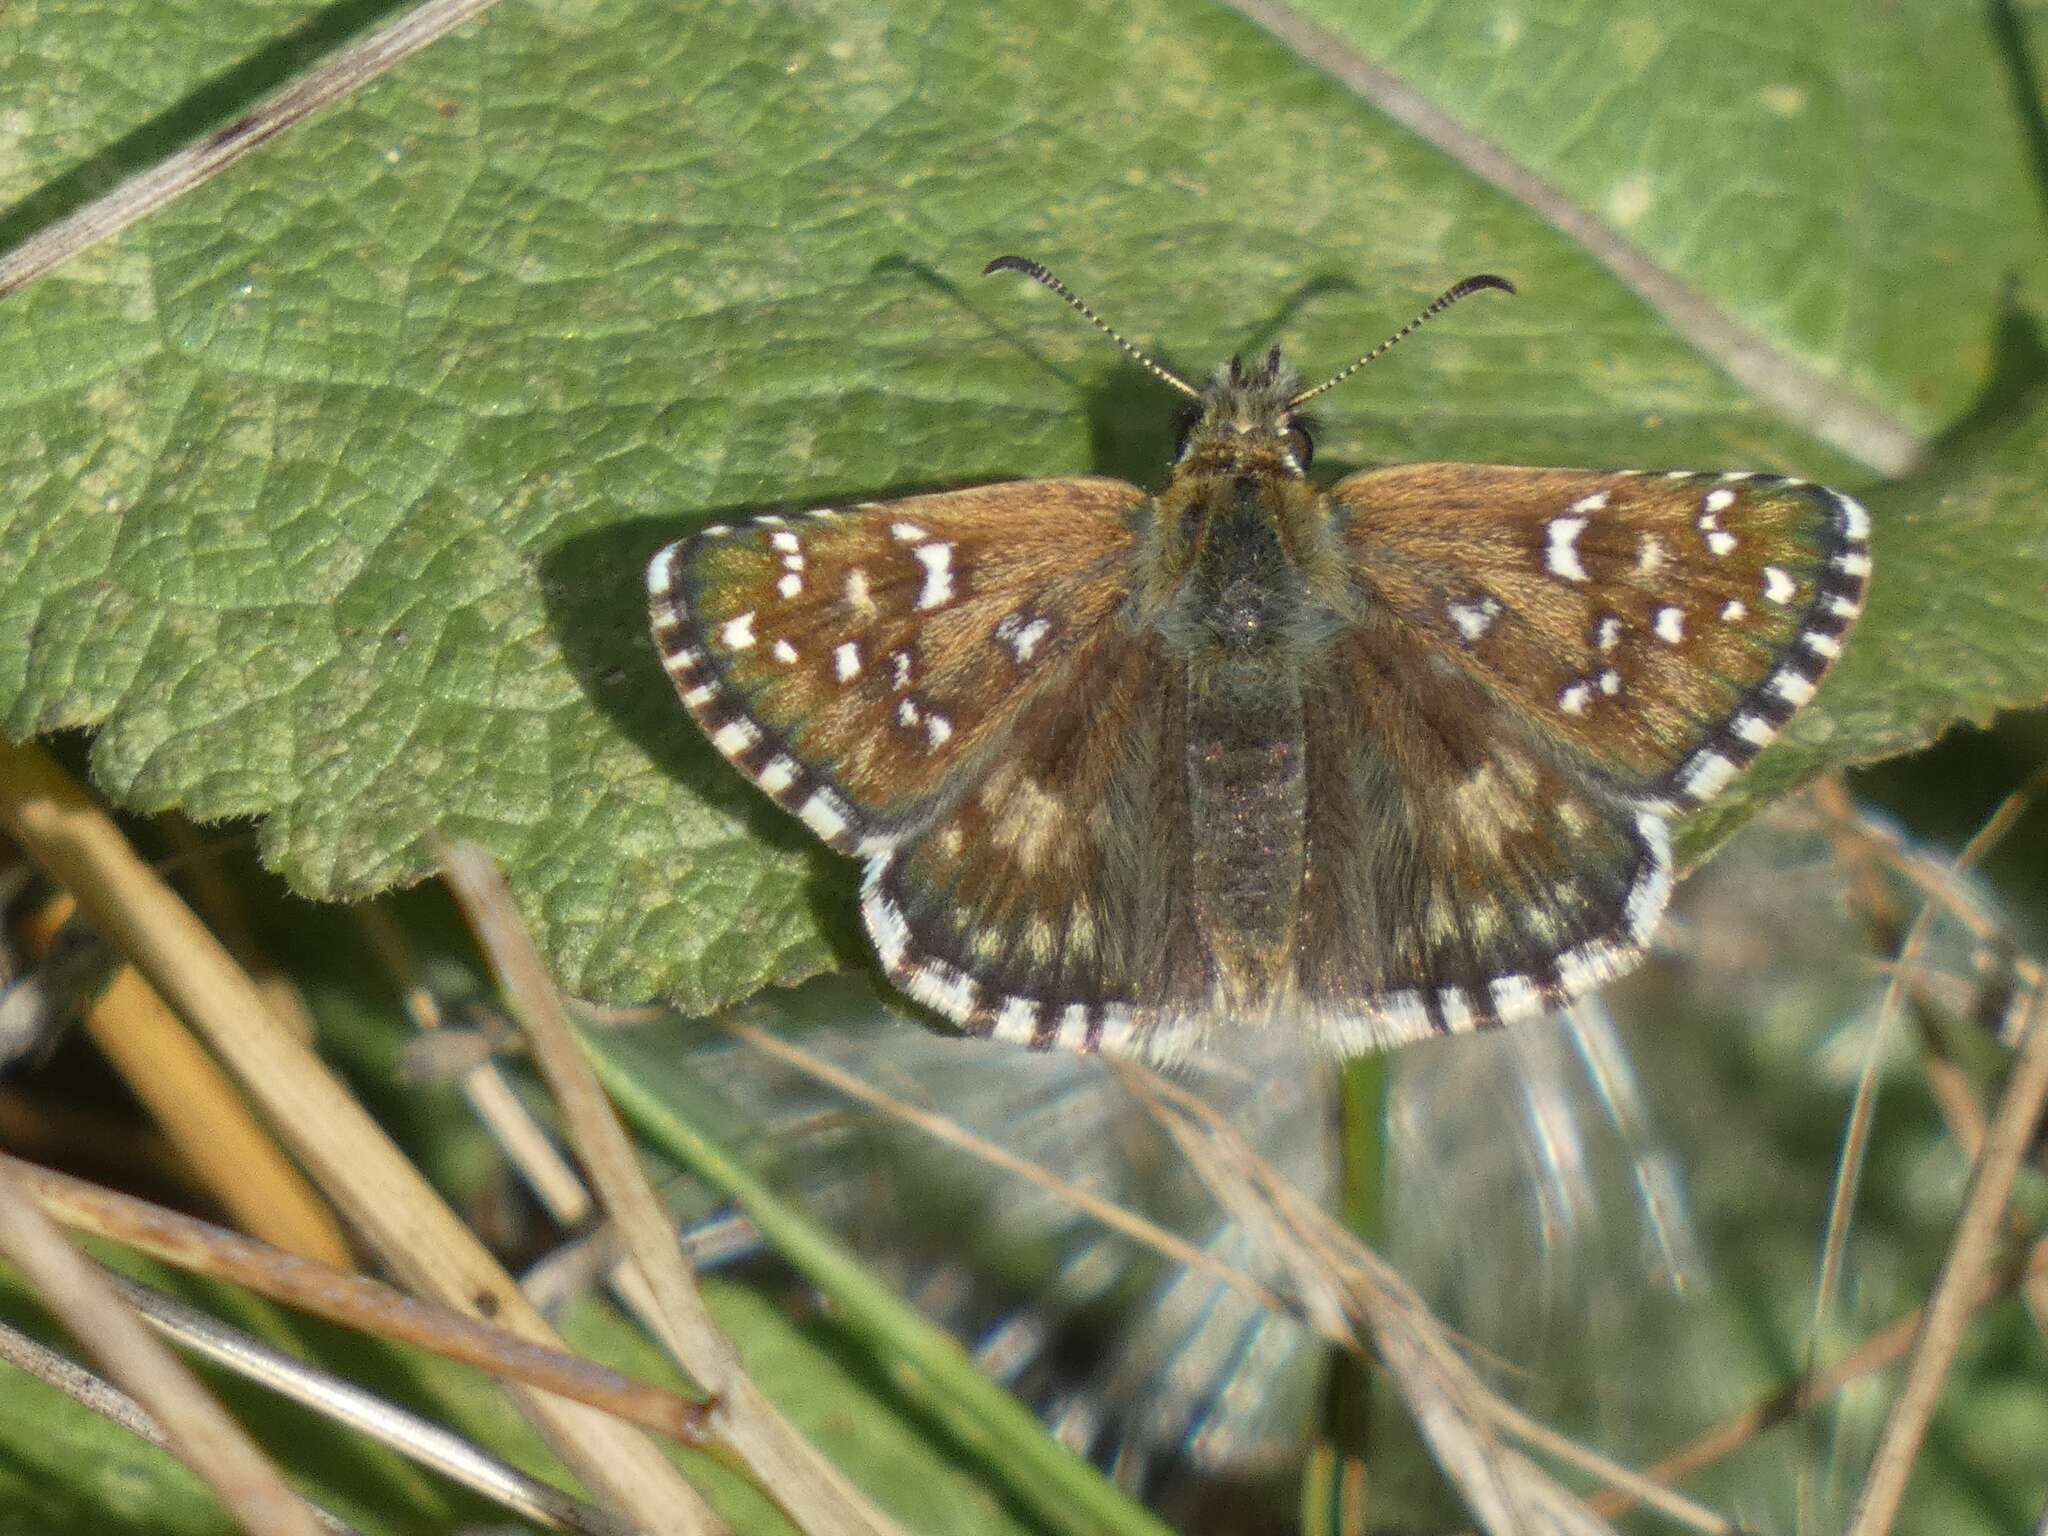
{"x": 1461, "y": 870}
{"x": 858, "y": 664}
{"x": 1545, "y": 665}
{"x": 1667, "y": 626}
{"x": 1046, "y": 904}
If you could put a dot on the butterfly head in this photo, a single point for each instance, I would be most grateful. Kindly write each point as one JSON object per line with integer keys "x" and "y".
{"x": 1245, "y": 423}
{"x": 1248, "y": 422}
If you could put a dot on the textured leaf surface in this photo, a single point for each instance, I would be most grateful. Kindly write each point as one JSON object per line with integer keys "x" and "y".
{"x": 1845, "y": 182}
{"x": 325, "y": 494}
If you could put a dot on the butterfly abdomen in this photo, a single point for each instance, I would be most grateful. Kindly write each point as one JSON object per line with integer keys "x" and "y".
{"x": 1247, "y": 790}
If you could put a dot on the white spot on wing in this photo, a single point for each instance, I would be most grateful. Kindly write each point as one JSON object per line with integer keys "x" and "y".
{"x": 1573, "y": 700}
{"x": 1610, "y": 682}
{"x": 939, "y": 986}
{"x": 823, "y": 814}
{"x": 885, "y": 923}
{"x": 784, "y": 652}
{"x": 937, "y": 560}
{"x": 1020, "y": 639}
{"x": 1733, "y": 610}
{"x": 1649, "y": 555}
{"x": 1016, "y": 1020}
{"x": 1516, "y": 998}
{"x": 1456, "y": 1011}
{"x": 905, "y": 533}
{"x": 1720, "y": 499}
{"x": 787, "y": 542}
{"x": 735, "y": 736}
{"x": 778, "y": 775}
{"x": 1561, "y": 555}
{"x": 846, "y": 661}
{"x": 738, "y": 631}
{"x": 1778, "y": 587}
{"x": 1473, "y": 620}
{"x": 1406, "y": 1015}
{"x": 790, "y": 585}
{"x": 1593, "y": 503}
{"x": 1652, "y": 890}
{"x": 1855, "y": 521}
{"x": 1607, "y": 633}
{"x": 1709, "y": 774}
{"x": 1793, "y": 688}
{"x": 1671, "y": 625}
{"x": 938, "y": 730}
{"x": 1582, "y": 969}
{"x": 1720, "y": 543}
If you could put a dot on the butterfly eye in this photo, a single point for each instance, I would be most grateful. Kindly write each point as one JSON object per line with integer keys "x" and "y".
{"x": 1300, "y": 445}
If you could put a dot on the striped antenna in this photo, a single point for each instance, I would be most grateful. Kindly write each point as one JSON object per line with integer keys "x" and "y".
{"x": 1038, "y": 274}
{"x": 1444, "y": 301}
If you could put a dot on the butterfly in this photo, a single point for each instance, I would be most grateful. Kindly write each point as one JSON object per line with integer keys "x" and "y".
{"x": 1136, "y": 771}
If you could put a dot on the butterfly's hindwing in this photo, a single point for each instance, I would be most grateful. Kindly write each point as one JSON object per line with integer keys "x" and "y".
{"x": 1459, "y": 872}
{"x": 1666, "y": 625}
{"x": 852, "y": 662}
{"x": 1045, "y": 904}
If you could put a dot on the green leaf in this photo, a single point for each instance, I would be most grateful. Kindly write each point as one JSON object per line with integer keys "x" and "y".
{"x": 1857, "y": 188}
{"x": 325, "y": 494}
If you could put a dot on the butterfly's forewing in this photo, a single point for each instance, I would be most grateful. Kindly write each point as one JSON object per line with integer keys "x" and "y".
{"x": 850, "y": 661}
{"x": 1460, "y": 870}
{"x": 1664, "y": 625}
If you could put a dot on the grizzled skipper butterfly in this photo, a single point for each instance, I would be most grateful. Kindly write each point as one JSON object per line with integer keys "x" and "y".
{"x": 1131, "y": 771}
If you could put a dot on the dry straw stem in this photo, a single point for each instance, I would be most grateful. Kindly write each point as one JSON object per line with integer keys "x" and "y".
{"x": 1421, "y": 1355}
{"x": 202, "y": 1434}
{"x": 940, "y": 1128}
{"x": 1936, "y": 880}
{"x": 1863, "y": 1113}
{"x": 1962, "y": 1275}
{"x": 1889, "y": 1344}
{"x": 518, "y": 1135}
{"x": 355, "y": 1164}
{"x": 809, "y": 1488}
{"x": 203, "y": 1116}
{"x": 1351, "y": 1292}
{"x": 179, "y": 173}
{"x": 1863, "y": 864}
{"x": 351, "y": 1300}
{"x": 197, "y": 860}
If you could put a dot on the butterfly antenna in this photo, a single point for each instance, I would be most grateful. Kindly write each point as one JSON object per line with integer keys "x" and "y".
{"x": 1038, "y": 274}
{"x": 1443, "y": 301}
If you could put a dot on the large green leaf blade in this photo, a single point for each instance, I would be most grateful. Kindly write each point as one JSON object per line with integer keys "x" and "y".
{"x": 326, "y": 493}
